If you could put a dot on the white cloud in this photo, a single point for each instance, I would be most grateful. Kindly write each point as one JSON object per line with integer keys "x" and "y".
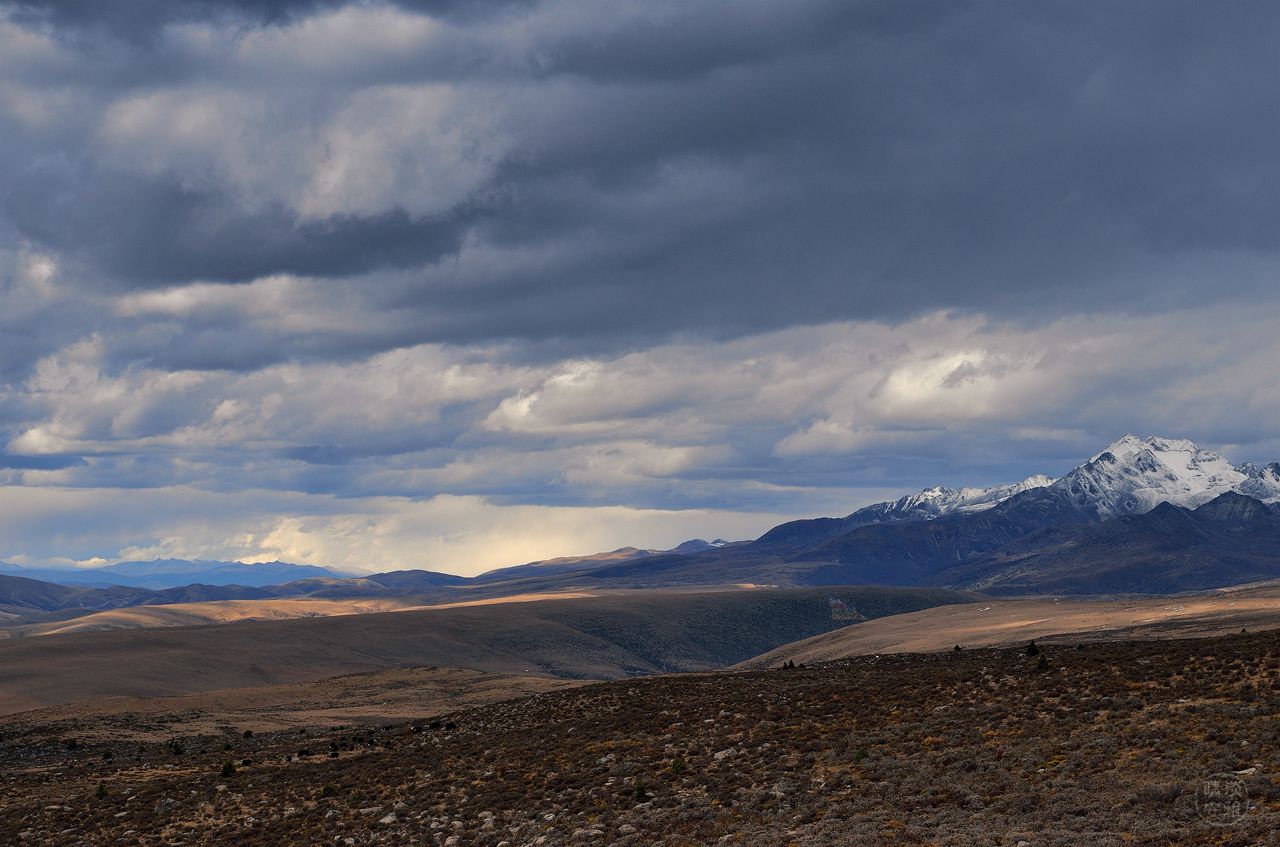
{"x": 463, "y": 457}
{"x": 422, "y": 148}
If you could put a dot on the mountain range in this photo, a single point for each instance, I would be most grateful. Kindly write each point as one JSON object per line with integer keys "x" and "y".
{"x": 172, "y": 573}
{"x": 1143, "y": 516}
{"x": 1099, "y": 522}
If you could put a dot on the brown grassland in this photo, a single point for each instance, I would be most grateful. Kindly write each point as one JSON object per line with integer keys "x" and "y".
{"x": 1104, "y": 743}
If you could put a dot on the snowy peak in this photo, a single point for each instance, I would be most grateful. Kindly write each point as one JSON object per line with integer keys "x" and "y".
{"x": 1131, "y": 476}
{"x": 1136, "y": 474}
{"x": 938, "y": 501}
{"x": 1122, "y": 450}
{"x": 1261, "y": 483}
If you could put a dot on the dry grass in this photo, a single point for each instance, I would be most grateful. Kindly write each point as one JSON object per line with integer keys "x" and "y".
{"x": 1105, "y": 745}
{"x": 603, "y": 637}
{"x": 998, "y": 623}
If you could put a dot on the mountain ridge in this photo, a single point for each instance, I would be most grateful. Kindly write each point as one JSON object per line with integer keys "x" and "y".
{"x": 160, "y": 574}
{"x": 1001, "y": 538}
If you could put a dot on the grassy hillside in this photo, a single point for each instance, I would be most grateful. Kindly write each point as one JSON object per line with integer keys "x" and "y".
{"x": 998, "y": 623}
{"x": 588, "y": 638}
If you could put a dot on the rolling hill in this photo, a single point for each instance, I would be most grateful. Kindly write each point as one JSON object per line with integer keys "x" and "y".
{"x": 587, "y": 638}
{"x": 1014, "y": 622}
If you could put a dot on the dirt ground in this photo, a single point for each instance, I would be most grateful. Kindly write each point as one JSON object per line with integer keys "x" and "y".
{"x": 396, "y": 694}
{"x": 1168, "y": 743}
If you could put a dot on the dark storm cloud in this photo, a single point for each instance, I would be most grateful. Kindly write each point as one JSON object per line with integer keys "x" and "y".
{"x": 739, "y": 255}
{"x": 141, "y": 19}
{"x": 156, "y": 232}
{"x": 44, "y": 463}
{"x": 875, "y": 159}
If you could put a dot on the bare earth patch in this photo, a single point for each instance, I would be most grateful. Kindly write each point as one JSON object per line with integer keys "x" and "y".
{"x": 396, "y": 694}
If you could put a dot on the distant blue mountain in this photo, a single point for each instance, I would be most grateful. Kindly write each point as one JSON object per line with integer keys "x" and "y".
{"x": 172, "y": 573}
{"x": 61, "y": 576}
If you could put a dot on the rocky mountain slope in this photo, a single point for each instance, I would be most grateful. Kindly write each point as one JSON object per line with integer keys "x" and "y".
{"x": 1135, "y": 475}
{"x": 1230, "y": 540}
{"x": 928, "y": 504}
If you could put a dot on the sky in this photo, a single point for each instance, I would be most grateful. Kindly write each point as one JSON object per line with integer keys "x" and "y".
{"x": 453, "y": 285}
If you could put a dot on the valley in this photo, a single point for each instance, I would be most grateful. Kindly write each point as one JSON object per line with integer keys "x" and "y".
{"x": 604, "y": 637}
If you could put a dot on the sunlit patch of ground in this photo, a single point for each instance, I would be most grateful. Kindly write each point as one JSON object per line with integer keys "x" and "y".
{"x": 997, "y": 623}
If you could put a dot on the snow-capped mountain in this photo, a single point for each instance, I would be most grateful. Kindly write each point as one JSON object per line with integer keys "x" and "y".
{"x": 1135, "y": 475}
{"x": 1131, "y": 476}
{"x": 939, "y": 500}
{"x": 1261, "y": 483}
{"x": 925, "y": 506}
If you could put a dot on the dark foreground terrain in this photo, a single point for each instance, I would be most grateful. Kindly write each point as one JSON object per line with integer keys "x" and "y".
{"x": 1108, "y": 744}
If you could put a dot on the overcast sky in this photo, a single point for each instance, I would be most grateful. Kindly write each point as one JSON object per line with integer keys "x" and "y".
{"x": 460, "y": 284}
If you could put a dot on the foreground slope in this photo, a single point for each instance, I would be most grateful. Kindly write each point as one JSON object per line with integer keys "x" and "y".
{"x": 586, "y": 638}
{"x": 1109, "y": 745}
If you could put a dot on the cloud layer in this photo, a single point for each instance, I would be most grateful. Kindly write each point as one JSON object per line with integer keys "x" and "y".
{"x": 628, "y": 264}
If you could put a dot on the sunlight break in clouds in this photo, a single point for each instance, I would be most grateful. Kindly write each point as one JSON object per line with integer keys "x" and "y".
{"x": 465, "y": 535}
